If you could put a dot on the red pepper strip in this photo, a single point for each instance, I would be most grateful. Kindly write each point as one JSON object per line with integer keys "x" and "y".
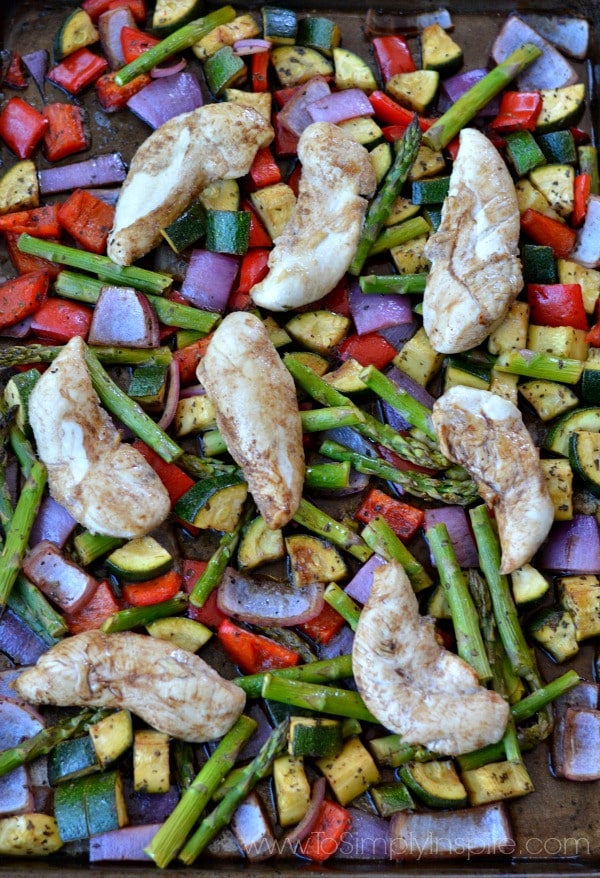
{"x": 61, "y": 319}
{"x": 258, "y": 237}
{"x": 41, "y": 222}
{"x": 188, "y": 357}
{"x": 254, "y": 653}
{"x": 392, "y": 55}
{"x": 175, "y": 480}
{"x": 95, "y": 8}
{"x": 323, "y": 627}
{"x": 581, "y": 192}
{"x": 210, "y": 614}
{"x": 404, "y": 520}
{"x": 580, "y": 136}
{"x": 264, "y": 170}
{"x": 21, "y": 127}
{"x": 253, "y": 269}
{"x": 338, "y": 299}
{"x": 24, "y": 263}
{"x": 65, "y": 133}
{"x": 114, "y": 97}
{"x": 87, "y": 219}
{"x": 101, "y": 605}
{"x": 371, "y": 349}
{"x": 286, "y": 143}
{"x": 22, "y": 296}
{"x": 519, "y": 111}
{"x": 293, "y": 180}
{"x": 135, "y": 42}
{"x": 15, "y": 72}
{"x": 549, "y": 232}
{"x": 259, "y": 66}
{"x": 283, "y": 95}
{"x": 78, "y": 70}
{"x": 557, "y": 305}
{"x": 390, "y": 112}
{"x": 328, "y": 832}
{"x": 153, "y": 591}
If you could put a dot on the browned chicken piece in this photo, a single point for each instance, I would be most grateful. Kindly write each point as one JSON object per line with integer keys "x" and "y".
{"x": 318, "y": 243}
{"x": 257, "y": 413}
{"x": 171, "y": 689}
{"x": 108, "y": 487}
{"x": 178, "y": 161}
{"x": 475, "y": 268}
{"x": 414, "y": 686}
{"x": 486, "y": 434}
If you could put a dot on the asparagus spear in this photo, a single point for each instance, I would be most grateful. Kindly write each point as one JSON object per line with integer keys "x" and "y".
{"x": 127, "y": 275}
{"x": 322, "y": 699}
{"x": 202, "y": 467}
{"x": 380, "y": 537}
{"x": 314, "y": 672}
{"x": 464, "y": 616}
{"x": 181, "y": 39}
{"x": 468, "y": 105}
{"x": 381, "y": 205}
{"x": 337, "y": 598}
{"x": 534, "y": 364}
{"x": 183, "y": 763}
{"x": 128, "y": 411}
{"x": 89, "y": 547}
{"x": 392, "y": 751}
{"x": 226, "y": 808}
{"x": 410, "y": 408}
{"x": 317, "y": 420}
{"x": 211, "y": 577}
{"x": 35, "y": 353}
{"x": 319, "y": 522}
{"x": 172, "y": 835}
{"x": 29, "y": 602}
{"x": 46, "y": 739}
{"x": 19, "y": 529}
{"x": 380, "y": 284}
{"x": 139, "y": 617}
{"x": 400, "y": 234}
{"x": 445, "y": 490}
{"x": 409, "y": 448}
{"x": 327, "y": 475}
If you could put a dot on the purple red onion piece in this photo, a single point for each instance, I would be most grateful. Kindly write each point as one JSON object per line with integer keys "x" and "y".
{"x": 110, "y": 25}
{"x": 209, "y": 280}
{"x": 103, "y": 170}
{"x": 264, "y": 601}
{"x": 166, "y": 97}
{"x": 124, "y": 317}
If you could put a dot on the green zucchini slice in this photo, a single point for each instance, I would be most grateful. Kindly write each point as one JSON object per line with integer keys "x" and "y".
{"x": 139, "y": 559}
{"x": 172, "y": 14}
{"x": 437, "y": 783}
{"x": 76, "y": 32}
{"x": 557, "y": 438}
{"x": 213, "y": 503}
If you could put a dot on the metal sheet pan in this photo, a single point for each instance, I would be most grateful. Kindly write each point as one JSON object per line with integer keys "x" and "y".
{"x": 557, "y": 828}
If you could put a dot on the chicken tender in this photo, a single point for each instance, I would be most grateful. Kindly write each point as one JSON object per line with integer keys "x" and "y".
{"x": 486, "y": 434}
{"x": 171, "y": 689}
{"x": 172, "y": 167}
{"x": 257, "y": 413}
{"x": 107, "y": 487}
{"x": 475, "y": 268}
{"x": 413, "y": 685}
{"x": 318, "y": 244}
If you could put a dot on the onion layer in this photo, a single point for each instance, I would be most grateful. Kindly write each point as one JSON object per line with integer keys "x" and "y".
{"x": 262, "y": 601}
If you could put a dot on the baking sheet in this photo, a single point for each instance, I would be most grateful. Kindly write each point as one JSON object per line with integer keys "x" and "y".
{"x": 557, "y": 828}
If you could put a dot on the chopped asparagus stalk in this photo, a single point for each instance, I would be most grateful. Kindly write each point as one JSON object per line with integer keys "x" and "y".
{"x": 410, "y": 408}
{"x": 19, "y": 529}
{"x": 380, "y": 284}
{"x": 314, "y": 672}
{"x": 531, "y": 364}
{"x": 319, "y": 522}
{"x": 219, "y": 560}
{"x": 316, "y": 420}
{"x": 380, "y": 537}
{"x": 29, "y": 602}
{"x": 400, "y": 234}
{"x": 89, "y": 547}
{"x": 322, "y": 699}
{"x": 468, "y": 105}
{"x": 34, "y": 353}
{"x": 337, "y": 598}
{"x": 140, "y": 617}
{"x": 327, "y": 475}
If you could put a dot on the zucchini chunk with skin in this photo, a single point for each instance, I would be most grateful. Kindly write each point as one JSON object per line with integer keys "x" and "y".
{"x": 112, "y": 736}
{"x": 350, "y": 773}
{"x": 292, "y": 790}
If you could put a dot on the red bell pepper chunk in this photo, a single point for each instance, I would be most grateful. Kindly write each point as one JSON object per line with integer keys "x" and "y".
{"x": 593, "y": 336}
{"x": 22, "y": 296}
{"x": 24, "y": 262}
{"x": 581, "y": 192}
{"x": 61, "y": 319}
{"x": 580, "y": 136}
{"x": 153, "y": 591}
{"x": 65, "y": 134}
{"x": 87, "y": 219}
{"x": 175, "y": 480}
{"x": 323, "y": 627}
{"x": 253, "y": 269}
{"x": 264, "y": 170}
{"x": 258, "y": 236}
{"x": 254, "y": 653}
{"x": 557, "y": 305}
{"x": 283, "y": 95}
{"x": 338, "y": 299}
{"x": 519, "y": 111}
{"x": 41, "y": 222}
{"x": 549, "y": 232}
{"x": 95, "y": 8}
{"x": 21, "y": 127}
{"x": 259, "y": 66}
{"x": 209, "y": 614}
{"x": 15, "y": 72}
{"x": 405, "y": 520}
{"x": 389, "y": 111}
{"x": 327, "y": 834}
{"x": 188, "y": 357}
{"x": 371, "y": 349}
{"x": 293, "y": 180}
{"x": 101, "y": 605}
{"x": 392, "y": 55}
{"x": 286, "y": 143}
{"x": 78, "y": 70}
{"x": 135, "y": 42}
{"x": 114, "y": 97}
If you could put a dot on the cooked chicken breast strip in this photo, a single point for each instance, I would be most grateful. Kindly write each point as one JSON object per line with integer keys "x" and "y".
{"x": 486, "y": 434}
{"x": 171, "y": 689}
{"x": 475, "y": 268}
{"x": 257, "y": 413}
{"x": 317, "y": 245}
{"x": 106, "y": 486}
{"x": 178, "y": 161}
{"x": 413, "y": 685}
